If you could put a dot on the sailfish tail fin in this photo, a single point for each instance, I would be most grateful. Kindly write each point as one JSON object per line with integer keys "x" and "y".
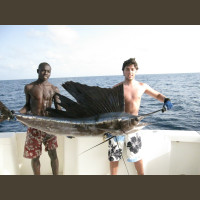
{"x": 5, "y": 113}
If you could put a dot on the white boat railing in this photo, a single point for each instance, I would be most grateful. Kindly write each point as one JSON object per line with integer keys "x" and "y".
{"x": 165, "y": 152}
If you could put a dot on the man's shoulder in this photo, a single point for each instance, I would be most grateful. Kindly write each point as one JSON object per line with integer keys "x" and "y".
{"x": 142, "y": 84}
{"x": 54, "y": 88}
{"x": 118, "y": 84}
{"x": 30, "y": 85}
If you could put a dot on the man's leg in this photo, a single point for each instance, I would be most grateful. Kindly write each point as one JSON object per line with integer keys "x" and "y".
{"x": 32, "y": 139}
{"x": 139, "y": 167}
{"x": 35, "y": 163}
{"x": 54, "y": 161}
{"x": 134, "y": 153}
{"x": 114, "y": 167}
{"x": 115, "y": 148}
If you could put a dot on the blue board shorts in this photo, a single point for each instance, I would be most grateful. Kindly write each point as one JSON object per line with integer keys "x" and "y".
{"x": 133, "y": 146}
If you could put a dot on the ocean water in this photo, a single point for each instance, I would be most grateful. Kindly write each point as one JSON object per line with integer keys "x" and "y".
{"x": 182, "y": 89}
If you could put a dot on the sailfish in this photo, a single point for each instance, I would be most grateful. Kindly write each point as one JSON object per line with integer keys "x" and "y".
{"x": 94, "y": 112}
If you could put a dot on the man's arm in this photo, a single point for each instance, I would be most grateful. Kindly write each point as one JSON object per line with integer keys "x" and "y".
{"x": 153, "y": 93}
{"x": 26, "y": 107}
{"x": 56, "y": 99}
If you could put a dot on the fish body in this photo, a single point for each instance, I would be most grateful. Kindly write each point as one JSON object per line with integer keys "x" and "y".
{"x": 116, "y": 123}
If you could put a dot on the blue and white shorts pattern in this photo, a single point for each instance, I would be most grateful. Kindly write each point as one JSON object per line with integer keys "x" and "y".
{"x": 133, "y": 146}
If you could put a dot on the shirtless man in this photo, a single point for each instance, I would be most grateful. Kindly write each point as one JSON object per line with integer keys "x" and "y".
{"x": 39, "y": 96}
{"x": 133, "y": 91}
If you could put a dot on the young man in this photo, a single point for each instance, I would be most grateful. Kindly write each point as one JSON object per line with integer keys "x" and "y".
{"x": 133, "y": 91}
{"x": 39, "y": 96}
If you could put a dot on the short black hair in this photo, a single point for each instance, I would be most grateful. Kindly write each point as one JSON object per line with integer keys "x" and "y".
{"x": 43, "y": 64}
{"x": 130, "y": 62}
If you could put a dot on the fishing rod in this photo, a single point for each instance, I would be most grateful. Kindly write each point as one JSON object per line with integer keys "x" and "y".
{"x": 122, "y": 156}
{"x": 163, "y": 110}
{"x": 97, "y": 145}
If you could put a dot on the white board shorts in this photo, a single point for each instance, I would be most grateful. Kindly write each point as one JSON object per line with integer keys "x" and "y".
{"x": 133, "y": 146}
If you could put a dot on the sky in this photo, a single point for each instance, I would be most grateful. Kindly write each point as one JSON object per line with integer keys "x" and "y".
{"x": 97, "y": 50}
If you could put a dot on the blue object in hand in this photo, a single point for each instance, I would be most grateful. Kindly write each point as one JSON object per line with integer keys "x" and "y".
{"x": 167, "y": 105}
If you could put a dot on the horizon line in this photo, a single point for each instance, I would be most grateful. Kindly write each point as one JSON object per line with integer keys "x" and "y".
{"x": 101, "y": 76}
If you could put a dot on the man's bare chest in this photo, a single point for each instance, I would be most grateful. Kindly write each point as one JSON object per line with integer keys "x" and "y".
{"x": 133, "y": 93}
{"x": 41, "y": 93}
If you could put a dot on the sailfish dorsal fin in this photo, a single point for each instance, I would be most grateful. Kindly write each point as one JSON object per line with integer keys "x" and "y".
{"x": 90, "y": 100}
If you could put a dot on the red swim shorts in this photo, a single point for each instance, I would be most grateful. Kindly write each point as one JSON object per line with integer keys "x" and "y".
{"x": 34, "y": 140}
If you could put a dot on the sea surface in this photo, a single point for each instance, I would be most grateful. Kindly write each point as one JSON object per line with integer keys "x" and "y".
{"x": 182, "y": 89}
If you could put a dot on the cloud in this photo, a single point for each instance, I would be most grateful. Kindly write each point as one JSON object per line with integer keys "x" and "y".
{"x": 100, "y": 50}
{"x": 58, "y": 34}
{"x": 62, "y": 34}
{"x": 53, "y": 55}
{"x": 35, "y": 33}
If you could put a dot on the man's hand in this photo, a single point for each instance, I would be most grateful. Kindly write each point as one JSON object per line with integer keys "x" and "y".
{"x": 106, "y": 136}
{"x": 167, "y": 105}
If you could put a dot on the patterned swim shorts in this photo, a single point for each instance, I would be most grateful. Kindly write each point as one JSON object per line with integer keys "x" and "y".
{"x": 34, "y": 140}
{"x": 133, "y": 146}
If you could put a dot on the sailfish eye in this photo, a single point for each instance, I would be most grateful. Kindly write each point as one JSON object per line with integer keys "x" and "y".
{"x": 135, "y": 121}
